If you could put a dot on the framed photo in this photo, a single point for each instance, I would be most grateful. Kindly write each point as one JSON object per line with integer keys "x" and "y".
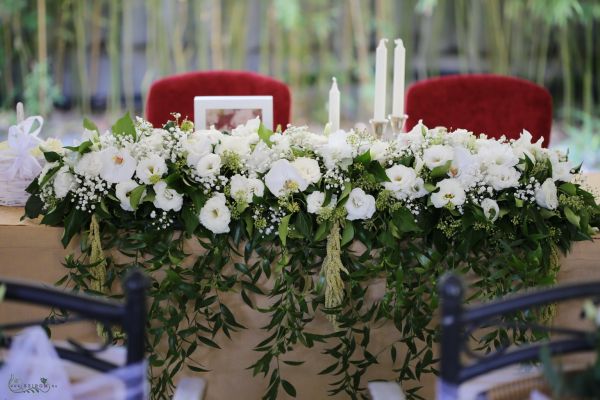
{"x": 227, "y": 112}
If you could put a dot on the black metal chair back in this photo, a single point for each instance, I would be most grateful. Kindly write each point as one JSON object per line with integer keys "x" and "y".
{"x": 130, "y": 315}
{"x": 457, "y": 322}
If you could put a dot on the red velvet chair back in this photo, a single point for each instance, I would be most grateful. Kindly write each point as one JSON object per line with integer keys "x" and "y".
{"x": 490, "y": 104}
{"x": 176, "y": 93}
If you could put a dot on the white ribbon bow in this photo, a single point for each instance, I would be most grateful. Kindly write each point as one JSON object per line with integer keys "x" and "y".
{"x": 22, "y": 138}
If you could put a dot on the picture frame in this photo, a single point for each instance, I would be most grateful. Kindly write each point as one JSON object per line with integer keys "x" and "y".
{"x": 227, "y": 112}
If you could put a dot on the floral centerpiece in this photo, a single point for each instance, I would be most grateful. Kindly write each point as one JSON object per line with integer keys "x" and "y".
{"x": 324, "y": 215}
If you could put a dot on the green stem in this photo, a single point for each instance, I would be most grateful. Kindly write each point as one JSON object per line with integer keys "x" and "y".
{"x": 566, "y": 72}
{"x": 588, "y": 88}
{"x": 543, "y": 53}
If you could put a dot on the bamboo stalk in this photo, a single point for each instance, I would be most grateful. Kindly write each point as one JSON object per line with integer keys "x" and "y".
{"x": 201, "y": 17}
{"x": 177, "y": 36}
{"x": 9, "y": 84}
{"x": 264, "y": 40}
{"x": 360, "y": 42}
{"x": 567, "y": 72}
{"x": 543, "y": 54}
{"x": 475, "y": 35}
{"x": 216, "y": 44}
{"x": 114, "y": 99}
{"x": 237, "y": 35}
{"x": 81, "y": 45}
{"x": 588, "y": 88}
{"x": 127, "y": 55}
{"x": 42, "y": 52}
{"x": 95, "y": 44}
{"x": 59, "y": 65}
{"x": 461, "y": 34}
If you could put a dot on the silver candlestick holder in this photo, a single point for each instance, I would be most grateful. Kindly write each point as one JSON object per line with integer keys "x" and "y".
{"x": 378, "y": 127}
{"x": 397, "y": 123}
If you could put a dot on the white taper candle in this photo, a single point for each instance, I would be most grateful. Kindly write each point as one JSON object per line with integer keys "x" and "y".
{"x": 380, "y": 79}
{"x": 334, "y": 106}
{"x": 399, "y": 77}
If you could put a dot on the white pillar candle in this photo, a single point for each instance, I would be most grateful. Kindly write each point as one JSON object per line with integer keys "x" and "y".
{"x": 334, "y": 106}
{"x": 380, "y": 78}
{"x": 398, "y": 88}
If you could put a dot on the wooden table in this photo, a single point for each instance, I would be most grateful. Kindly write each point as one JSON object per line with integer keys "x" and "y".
{"x": 30, "y": 251}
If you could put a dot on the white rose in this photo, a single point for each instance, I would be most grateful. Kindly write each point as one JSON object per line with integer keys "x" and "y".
{"x": 401, "y": 180}
{"x": 196, "y": 146}
{"x": 167, "y": 198}
{"x": 89, "y": 165}
{"x": 360, "y": 205}
{"x": 245, "y": 189}
{"x": 117, "y": 165}
{"x": 261, "y": 158}
{"x": 52, "y": 144}
{"x": 123, "y": 191}
{"x": 546, "y": 195}
{"x": 215, "y": 215}
{"x": 450, "y": 192}
{"x": 64, "y": 182}
{"x": 309, "y": 169}
{"x": 283, "y": 178}
{"x": 501, "y": 177}
{"x": 437, "y": 155}
{"x": 379, "y": 151}
{"x": 314, "y": 202}
{"x": 490, "y": 209}
{"x": 209, "y": 165}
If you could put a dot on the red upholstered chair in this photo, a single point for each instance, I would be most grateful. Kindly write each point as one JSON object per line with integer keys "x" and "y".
{"x": 176, "y": 93}
{"x": 490, "y": 104}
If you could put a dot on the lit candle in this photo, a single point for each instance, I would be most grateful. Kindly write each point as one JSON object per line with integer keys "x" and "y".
{"x": 334, "y": 106}
{"x": 380, "y": 78}
{"x": 398, "y": 88}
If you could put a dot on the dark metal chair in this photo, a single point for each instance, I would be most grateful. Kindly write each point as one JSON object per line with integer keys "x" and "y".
{"x": 130, "y": 315}
{"x": 458, "y": 323}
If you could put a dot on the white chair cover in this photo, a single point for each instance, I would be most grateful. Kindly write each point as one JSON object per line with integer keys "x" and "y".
{"x": 32, "y": 366}
{"x": 385, "y": 391}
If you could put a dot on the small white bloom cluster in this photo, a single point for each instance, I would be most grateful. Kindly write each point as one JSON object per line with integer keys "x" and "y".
{"x": 89, "y": 192}
{"x": 162, "y": 221}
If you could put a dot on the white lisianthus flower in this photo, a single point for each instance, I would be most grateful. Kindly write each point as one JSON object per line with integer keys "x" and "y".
{"x": 437, "y": 155}
{"x": 401, "y": 180}
{"x": 214, "y": 215}
{"x": 239, "y": 145}
{"x": 494, "y": 153}
{"x": 89, "y": 165}
{"x": 196, "y": 146}
{"x": 123, "y": 191}
{"x": 64, "y": 182}
{"x": 166, "y": 198}
{"x": 283, "y": 178}
{"x": 117, "y": 165}
{"x": 250, "y": 128}
{"x": 337, "y": 151}
{"x": 561, "y": 168}
{"x": 360, "y": 205}
{"x": 379, "y": 151}
{"x": 462, "y": 138}
{"x": 523, "y": 147}
{"x": 245, "y": 189}
{"x": 213, "y": 135}
{"x": 546, "y": 195}
{"x": 501, "y": 177}
{"x": 150, "y": 169}
{"x": 465, "y": 167}
{"x": 490, "y": 209}
{"x": 417, "y": 189}
{"x": 450, "y": 192}
{"x": 309, "y": 169}
{"x": 52, "y": 144}
{"x": 413, "y": 139}
{"x": 314, "y": 202}
{"x": 209, "y": 165}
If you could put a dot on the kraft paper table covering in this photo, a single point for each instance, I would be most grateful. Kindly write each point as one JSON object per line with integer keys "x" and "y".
{"x": 30, "y": 251}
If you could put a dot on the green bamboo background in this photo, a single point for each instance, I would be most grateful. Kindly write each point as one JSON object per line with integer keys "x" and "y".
{"x": 54, "y": 47}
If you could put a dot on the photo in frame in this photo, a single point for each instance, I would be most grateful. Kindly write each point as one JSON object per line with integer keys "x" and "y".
{"x": 227, "y": 112}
